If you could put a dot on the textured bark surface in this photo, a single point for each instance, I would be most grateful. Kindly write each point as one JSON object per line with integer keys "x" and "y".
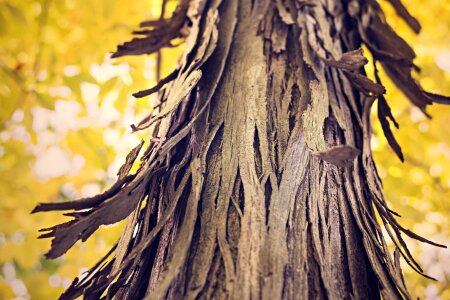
{"x": 259, "y": 181}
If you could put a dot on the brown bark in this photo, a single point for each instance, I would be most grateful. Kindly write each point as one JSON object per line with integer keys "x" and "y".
{"x": 260, "y": 183}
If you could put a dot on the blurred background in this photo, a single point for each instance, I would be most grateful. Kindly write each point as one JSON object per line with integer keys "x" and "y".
{"x": 66, "y": 110}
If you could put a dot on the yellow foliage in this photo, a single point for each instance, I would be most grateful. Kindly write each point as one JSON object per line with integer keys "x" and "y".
{"x": 6, "y": 291}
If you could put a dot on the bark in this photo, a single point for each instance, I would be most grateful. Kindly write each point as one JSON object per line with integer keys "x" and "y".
{"x": 259, "y": 182}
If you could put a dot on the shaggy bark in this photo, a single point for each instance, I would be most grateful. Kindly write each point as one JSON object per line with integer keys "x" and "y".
{"x": 259, "y": 182}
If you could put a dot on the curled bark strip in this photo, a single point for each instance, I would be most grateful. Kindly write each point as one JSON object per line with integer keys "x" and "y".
{"x": 129, "y": 160}
{"x": 383, "y": 114}
{"x": 365, "y": 85}
{"x": 158, "y": 86}
{"x": 111, "y": 211}
{"x": 160, "y": 36}
{"x": 395, "y": 55}
{"x": 351, "y": 60}
{"x": 123, "y": 178}
{"x": 404, "y": 13}
{"x": 173, "y": 100}
{"x": 84, "y": 203}
{"x": 339, "y": 155}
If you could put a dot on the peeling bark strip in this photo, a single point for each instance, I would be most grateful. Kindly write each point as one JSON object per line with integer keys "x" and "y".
{"x": 260, "y": 183}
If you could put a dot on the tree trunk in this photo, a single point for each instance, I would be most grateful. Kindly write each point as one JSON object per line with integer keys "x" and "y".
{"x": 259, "y": 182}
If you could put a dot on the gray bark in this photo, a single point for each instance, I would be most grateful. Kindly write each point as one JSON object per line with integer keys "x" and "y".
{"x": 260, "y": 183}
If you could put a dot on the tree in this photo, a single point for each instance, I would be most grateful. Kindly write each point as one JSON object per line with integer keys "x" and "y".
{"x": 258, "y": 181}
